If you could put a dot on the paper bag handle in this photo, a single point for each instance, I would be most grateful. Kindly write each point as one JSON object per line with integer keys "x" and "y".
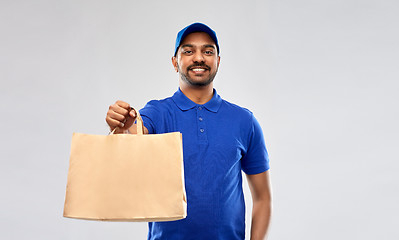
{"x": 139, "y": 124}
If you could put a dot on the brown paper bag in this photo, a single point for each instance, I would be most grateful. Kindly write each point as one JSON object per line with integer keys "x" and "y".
{"x": 126, "y": 177}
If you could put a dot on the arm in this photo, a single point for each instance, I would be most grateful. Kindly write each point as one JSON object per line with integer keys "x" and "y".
{"x": 260, "y": 187}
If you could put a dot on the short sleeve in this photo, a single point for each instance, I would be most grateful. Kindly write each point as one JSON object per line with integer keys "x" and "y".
{"x": 150, "y": 116}
{"x": 256, "y": 158}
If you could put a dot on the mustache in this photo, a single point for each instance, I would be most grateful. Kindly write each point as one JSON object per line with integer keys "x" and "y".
{"x": 198, "y": 65}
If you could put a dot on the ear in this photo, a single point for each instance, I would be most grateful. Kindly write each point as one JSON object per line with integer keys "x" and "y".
{"x": 218, "y": 61}
{"x": 174, "y": 62}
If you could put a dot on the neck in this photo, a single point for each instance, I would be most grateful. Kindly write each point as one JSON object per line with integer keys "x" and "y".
{"x": 199, "y": 95}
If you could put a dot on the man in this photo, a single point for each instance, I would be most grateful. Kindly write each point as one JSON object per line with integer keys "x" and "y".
{"x": 219, "y": 140}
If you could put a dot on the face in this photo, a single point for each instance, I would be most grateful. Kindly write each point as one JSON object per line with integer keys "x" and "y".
{"x": 197, "y": 60}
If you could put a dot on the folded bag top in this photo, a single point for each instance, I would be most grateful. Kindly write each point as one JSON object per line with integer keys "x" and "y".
{"x": 126, "y": 177}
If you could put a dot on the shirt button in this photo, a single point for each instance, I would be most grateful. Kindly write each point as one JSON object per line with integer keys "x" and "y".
{"x": 202, "y": 130}
{"x": 200, "y": 118}
{"x": 199, "y": 108}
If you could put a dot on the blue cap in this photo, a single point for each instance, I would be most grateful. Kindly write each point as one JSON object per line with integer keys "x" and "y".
{"x": 195, "y": 27}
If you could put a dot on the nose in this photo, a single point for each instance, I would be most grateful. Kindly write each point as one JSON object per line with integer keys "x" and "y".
{"x": 198, "y": 57}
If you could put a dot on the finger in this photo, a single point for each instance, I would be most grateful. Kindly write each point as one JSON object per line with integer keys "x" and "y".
{"x": 114, "y": 115}
{"x": 123, "y": 104}
{"x": 112, "y": 123}
{"x": 116, "y": 108}
{"x": 133, "y": 113}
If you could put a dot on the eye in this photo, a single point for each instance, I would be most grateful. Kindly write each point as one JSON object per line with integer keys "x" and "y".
{"x": 187, "y": 52}
{"x": 209, "y": 52}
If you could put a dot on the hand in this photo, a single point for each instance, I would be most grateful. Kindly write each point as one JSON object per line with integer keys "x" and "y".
{"x": 120, "y": 115}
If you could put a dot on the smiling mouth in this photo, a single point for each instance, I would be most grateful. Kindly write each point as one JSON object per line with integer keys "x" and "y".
{"x": 198, "y": 70}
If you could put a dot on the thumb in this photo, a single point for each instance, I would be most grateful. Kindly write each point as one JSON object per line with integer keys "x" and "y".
{"x": 132, "y": 113}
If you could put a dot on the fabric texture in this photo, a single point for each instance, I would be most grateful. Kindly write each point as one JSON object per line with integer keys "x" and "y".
{"x": 195, "y": 27}
{"x": 219, "y": 140}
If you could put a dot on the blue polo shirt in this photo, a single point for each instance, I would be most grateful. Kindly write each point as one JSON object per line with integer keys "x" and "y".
{"x": 219, "y": 140}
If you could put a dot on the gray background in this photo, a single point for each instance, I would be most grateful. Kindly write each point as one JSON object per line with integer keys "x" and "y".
{"x": 320, "y": 76}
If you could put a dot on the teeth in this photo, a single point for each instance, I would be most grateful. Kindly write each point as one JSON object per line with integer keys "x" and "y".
{"x": 198, "y": 69}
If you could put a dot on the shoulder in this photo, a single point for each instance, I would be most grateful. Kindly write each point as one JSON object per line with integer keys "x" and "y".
{"x": 159, "y": 105}
{"x": 157, "y": 109}
{"x": 238, "y": 111}
{"x": 155, "y": 113}
{"x": 240, "y": 117}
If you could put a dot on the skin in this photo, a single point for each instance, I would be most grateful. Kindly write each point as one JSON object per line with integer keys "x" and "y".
{"x": 260, "y": 187}
{"x": 199, "y": 51}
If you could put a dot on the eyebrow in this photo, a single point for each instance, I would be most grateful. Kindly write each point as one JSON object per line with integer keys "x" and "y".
{"x": 190, "y": 45}
{"x": 186, "y": 45}
{"x": 210, "y": 46}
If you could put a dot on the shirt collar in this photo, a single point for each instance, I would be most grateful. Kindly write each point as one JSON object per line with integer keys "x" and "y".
{"x": 184, "y": 103}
